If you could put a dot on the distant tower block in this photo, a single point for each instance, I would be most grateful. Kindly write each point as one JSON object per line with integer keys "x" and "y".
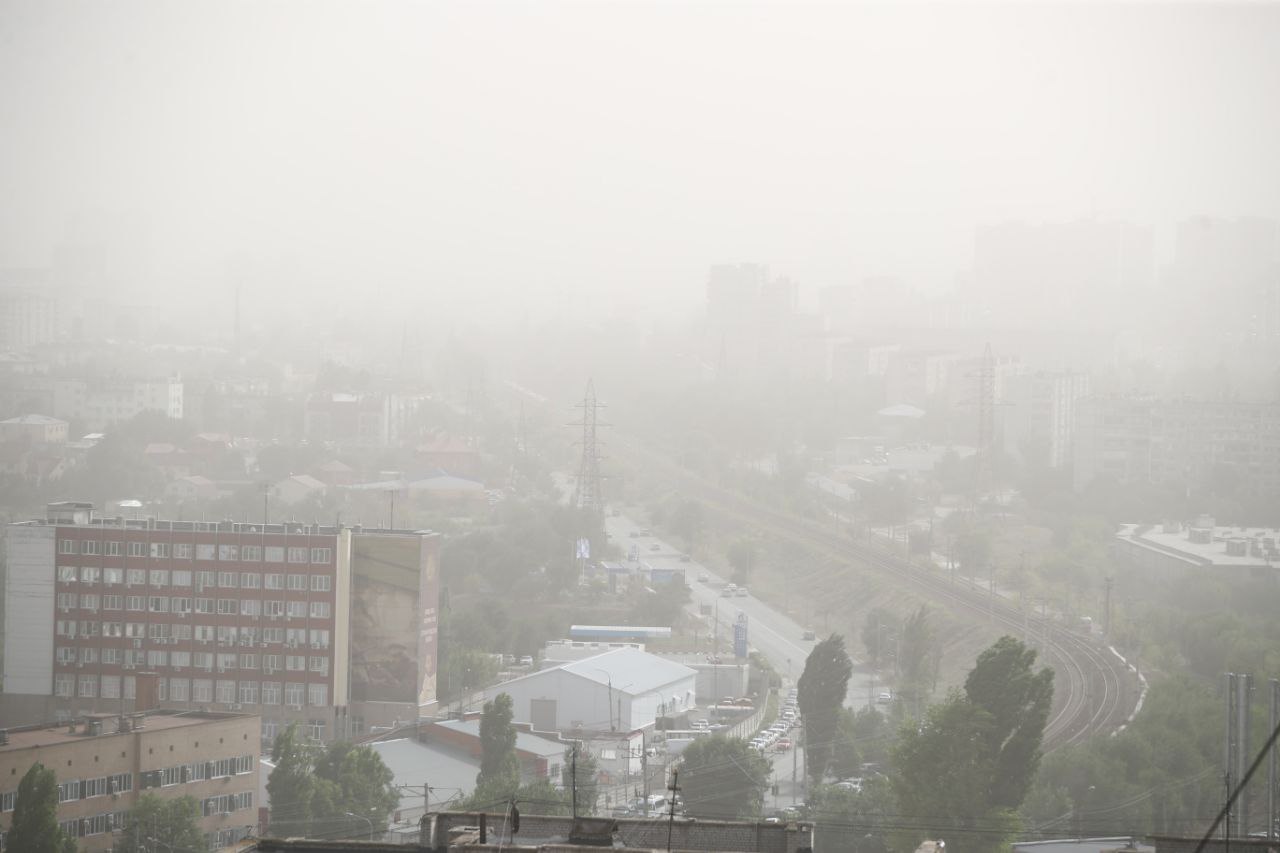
{"x": 982, "y": 474}
{"x": 588, "y": 493}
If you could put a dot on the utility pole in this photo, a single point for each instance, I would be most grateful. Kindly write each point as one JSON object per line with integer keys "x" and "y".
{"x": 1106, "y": 616}
{"x": 671, "y": 819}
{"x": 573, "y": 778}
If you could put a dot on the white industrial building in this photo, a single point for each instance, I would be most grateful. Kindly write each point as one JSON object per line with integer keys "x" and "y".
{"x": 621, "y": 690}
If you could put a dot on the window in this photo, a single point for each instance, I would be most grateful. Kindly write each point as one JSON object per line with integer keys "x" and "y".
{"x": 321, "y": 555}
{"x": 248, "y": 694}
{"x": 67, "y": 546}
{"x": 315, "y": 728}
{"x": 88, "y": 654}
{"x": 228, "y": 552}
{"x": 111, "y": 656}
{"x": 205, "y": 552}
{"x": 91, "y": 546}
{"x": 227, "y": 580}
{"x": 320, "y": 609}
{"x": 88, "y": 601}
{"x": 250, "y": 607}
{"x": 157, "y": 657}
{"x": 297, "y": 608}
{"x": 273, "y": 554}
{"x": 68, "y": 600}
{"x": 112, "y": 547}
{"x": 180, "y": 605}
{"x": 226, "y": 692}
{"x": 159, "y": 549}
{"x": 134, "y": 657}
{"x": 90, "y": 628}
{"x": 136, "y": 576}
{"x": 159, "y": 577}
{"x": 273, "y": 635}
{"x": 320, "y": 639}
{"x": 250, "y": 580}
{"x": 180, "y": 659}
{"x": 135, "y": 602}
{"x": 135, "y": 630}
{"x": 273, "y": 608}
{"x": 88, "y": 686}
{"x": 69, "y": 791}
{"x": 295, "y": 663}
{"x": 204, "y": 580}
{"x": 228, "y": 606}
{"x": 159, "y": 604}
{"x": 321, "y": 583}
{"x": 181, "y": 577}
{"x": 182, "y": 551}
{"x": 120, "y": 783}
{"x": 248, "y": 636}
{"x": 110, "y": 686}
{"x": 204, "y": 633}
{"x": 270, "y": 693}
{"x": 201, "y": 690}
{"x": 94, "y": 787}
{"x": 65, "y": 627}
{"x": 130, "y": 687}
{"x": 89, "y": 574}
{"x": 226, "y": 661}
{"x": 66, "y": 654}
{"x": 248, "y": 661}
{"x": 296, "y": 555}
{"x": 137, "y": 549}
{"x": 271, "y": 663}
{"x": 251, "y": 553}
{"x": 202, "y": 660}
{"x": 297, "y": 582}
{"x": 64, "y": 685}
{"x": 112, "y": 629}
{"x": 204, "y": 605}
{"x": 112, "y": 576}
{"x": 320, "y": 664}
{"x": 293, "y": 693}
{"x": 226, "y": 635}
{"x": 295, "y": 637}
{"x": 67, "y": 574}
{"x": 112, "y": 602}
{"x": 159, "y": 630}
{"x": 183, "y": 631}
{"x": 179, "y": 690}
{"x": 273, "y": 581}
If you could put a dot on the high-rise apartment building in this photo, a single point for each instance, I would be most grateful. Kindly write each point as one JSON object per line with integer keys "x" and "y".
{"x": 1178, "y": 442}
{"x": 331, "y": 627}
{"x": 1038, "y": 415}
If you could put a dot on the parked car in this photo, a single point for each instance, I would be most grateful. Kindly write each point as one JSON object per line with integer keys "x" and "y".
{"x": 527, "y": 660}
{"x": 885, "y": 698}
{"x": 703, "y": 577}
{"x": 808, "y": 636}
{"x": 741, "y": 592}
{"x": 783, "y": 744}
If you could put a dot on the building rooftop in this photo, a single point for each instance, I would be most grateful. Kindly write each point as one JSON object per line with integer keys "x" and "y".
{"x": 1175, "y": 540}
{"x": 525, "y": 741}
{"x": 451, "y": 772}
{"x": 56, "y": 734}
{"x": 228, "y": 526}
{"x": 34, "y": 420}
{"x": 631, "y": 670}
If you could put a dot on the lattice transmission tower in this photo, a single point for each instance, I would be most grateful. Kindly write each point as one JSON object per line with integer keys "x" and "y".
{"x": 588, "y": 493}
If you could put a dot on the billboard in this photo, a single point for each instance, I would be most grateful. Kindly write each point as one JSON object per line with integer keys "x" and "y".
{"x": 395, "y": 580}
{"x": 740, "y": 636}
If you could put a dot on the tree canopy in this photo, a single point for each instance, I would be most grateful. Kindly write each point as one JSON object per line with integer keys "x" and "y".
{"x": 723, "y": 778}
{"x": 330, "y": 792}
{"x": 173, "y": 822}
{"x": 34, "y": 827}
{"x": 498, "y": 762}
{"x": 820, "y": 694}
{"x": 581, "y": 769}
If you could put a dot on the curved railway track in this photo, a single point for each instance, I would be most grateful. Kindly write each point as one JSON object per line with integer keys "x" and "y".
{"x": 1093, "y": 688}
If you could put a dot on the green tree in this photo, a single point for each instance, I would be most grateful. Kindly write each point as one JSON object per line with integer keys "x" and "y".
{"x": 689, "y": 521}
{"x": 918, "y": 655}
{"x": 742, "y": 556}
{"x": 846, "y": 759}
{"x": 1005, "y": 685}
{"x": 34, "y": 826}
{"x": 172, "y": 823}
{"x": 942, "y": 775}
{"x": 498, "y": 762}
{"x": 820, "y": 694}
{"x": 312, "y": 789}
{"x": 973, "y": 551}
{"x": 723, "y": 778}
{"x": 584, "y": 771}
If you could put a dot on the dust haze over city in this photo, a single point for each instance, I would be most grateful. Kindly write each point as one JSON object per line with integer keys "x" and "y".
{"x": 757, "y": 426}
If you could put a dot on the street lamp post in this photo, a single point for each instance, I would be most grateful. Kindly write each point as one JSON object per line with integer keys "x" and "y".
{"x": 366, "y": 819}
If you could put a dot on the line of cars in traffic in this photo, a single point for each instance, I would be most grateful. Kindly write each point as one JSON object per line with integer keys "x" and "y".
{"x": 777, "y": 736}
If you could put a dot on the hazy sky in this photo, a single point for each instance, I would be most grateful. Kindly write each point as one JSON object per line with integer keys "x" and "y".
{"x": 544, "y": 149}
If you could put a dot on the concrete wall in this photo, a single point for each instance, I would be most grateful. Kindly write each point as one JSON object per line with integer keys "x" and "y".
{"x": 28, "y": 610}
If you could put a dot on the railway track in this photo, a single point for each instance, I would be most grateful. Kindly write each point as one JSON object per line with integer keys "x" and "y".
{"x": 1092, "y": 687}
